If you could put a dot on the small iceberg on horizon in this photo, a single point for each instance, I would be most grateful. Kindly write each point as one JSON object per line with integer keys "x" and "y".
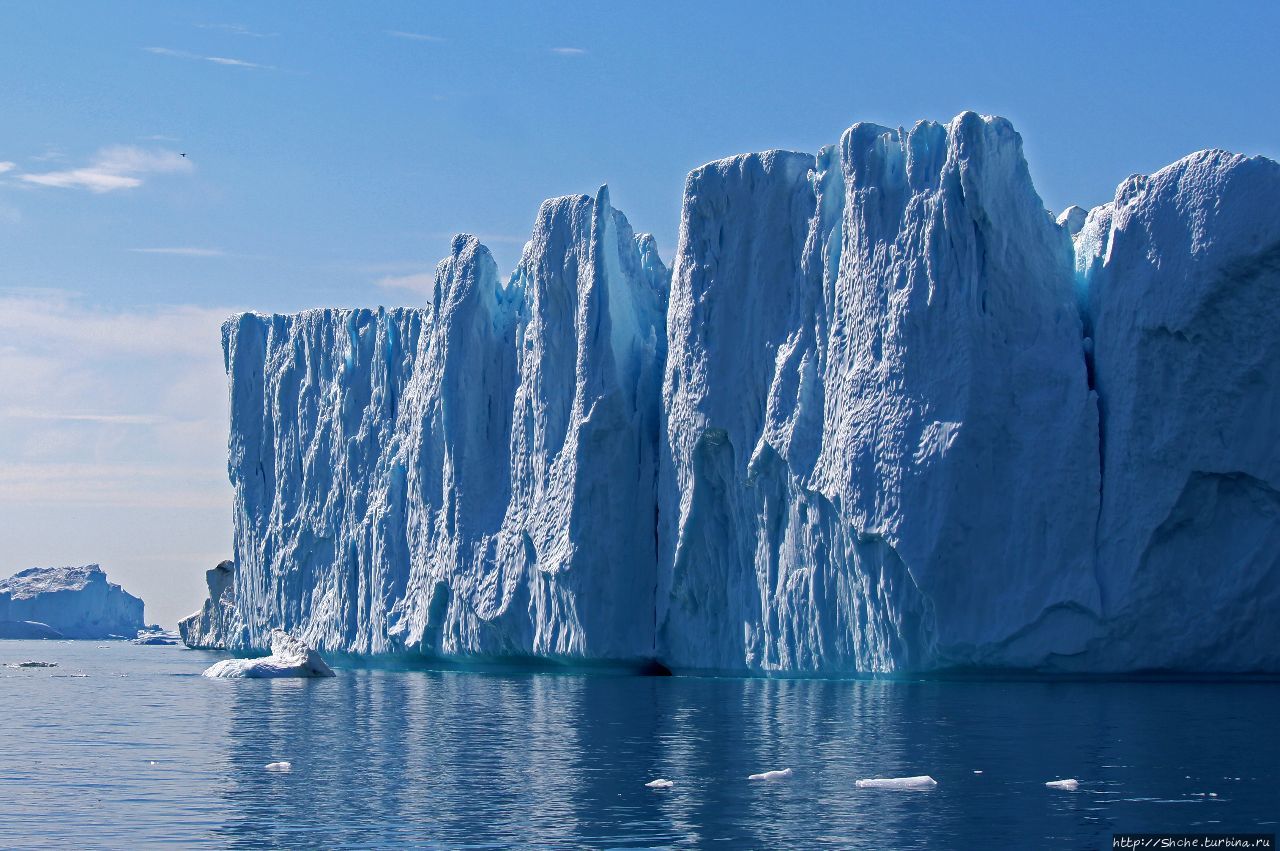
{"x": 154, "y": 636}
{"x": 284, "y": 766}
{"x": 1070, "y": 784}
{"x": 660, "y": 783}
{"x": 290, "y": 657}
{"x": 919, "y": 783}
{"x": 772, "y": 775}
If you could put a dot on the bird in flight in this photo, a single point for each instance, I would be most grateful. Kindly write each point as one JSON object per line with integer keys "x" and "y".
{"x": 182, "y": 155}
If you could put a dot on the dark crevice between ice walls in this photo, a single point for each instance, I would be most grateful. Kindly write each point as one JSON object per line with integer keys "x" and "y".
{"x": 883, "y": 415}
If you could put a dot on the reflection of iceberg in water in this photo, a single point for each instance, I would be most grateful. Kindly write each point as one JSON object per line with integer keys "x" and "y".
{"x": 384, "y": 758}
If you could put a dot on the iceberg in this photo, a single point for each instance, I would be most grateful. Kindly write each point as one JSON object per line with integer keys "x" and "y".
{"x": 27, "y": 630}
{"x": 781, "y": 774}
{"x": 885, "y": 413}
{"x": 283, "y": 767}
{"x": 217, "y": 623}
{"x": 1069, "y": 785}
{"x": 289, "y": 658}
{"x": 660, "y": 783}
{"x": 67, "y": 602}
{"x": 920, "y": 783}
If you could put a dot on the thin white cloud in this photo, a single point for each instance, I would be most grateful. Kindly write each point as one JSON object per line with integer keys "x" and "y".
{"x": 418, "y": 282}
{"x": 569, "y": 51}
{"x": 114, "y": 486}
{"x": 159, "y": 137}
{"x": 110, "y": 406}
{"x": 81, "y": 417}
{"x": 62, "y": 322}
{"x": 7, "y": 166}
{"x": 183, "y": 251}
{"x": 235, "y": 29}
{"x": 217, "y": 60}
{"x": 414, "y": 36}
{"x": 114, "y": 168}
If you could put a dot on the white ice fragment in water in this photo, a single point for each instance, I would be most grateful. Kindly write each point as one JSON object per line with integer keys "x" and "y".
{"x": 280, "y": 766}
{"x": 772, "y": 775}
{"x": 34, "y": 664}
{"x": 1070, "y": 784}
{"x": 289, "y": 657}
{"x": 660, "y": 783}
{"x": 913, "y": 784}
{"x": 977, "y": 771}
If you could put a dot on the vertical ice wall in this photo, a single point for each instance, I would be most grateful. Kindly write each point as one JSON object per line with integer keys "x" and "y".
{"x": 475, "y": 477}
{"x": 882, "y": 445}
{"x": 1181, "y": 275}
{"x": 903, "y": 424}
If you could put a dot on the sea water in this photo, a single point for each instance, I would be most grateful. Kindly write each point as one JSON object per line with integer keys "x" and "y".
{"x": 122, "y": 746}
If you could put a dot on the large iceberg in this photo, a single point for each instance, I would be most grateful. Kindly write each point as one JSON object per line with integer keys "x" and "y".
{"x": 472, "y": 478}
{"x": 67, "y": 602}
{"x": 884, "y": 414}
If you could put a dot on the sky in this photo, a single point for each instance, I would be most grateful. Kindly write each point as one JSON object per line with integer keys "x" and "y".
{"x": 331, "y": 150}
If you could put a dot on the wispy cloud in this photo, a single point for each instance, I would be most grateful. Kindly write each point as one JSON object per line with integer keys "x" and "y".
{"x": 114, "y": 168}
{"x": 110, "y": 406}
{"x": 7, "y": 166}
{"x": 183, "y": 251}
{"x": 235, "y": 29}
{"x": 217, "y": 60}
{"x": 569, "y": 51}
{"x": 418, "y": 282}
{"x": 73, "y": 417}
{"x": 414, "y": 36}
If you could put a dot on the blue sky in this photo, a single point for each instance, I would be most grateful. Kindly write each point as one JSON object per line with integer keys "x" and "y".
{"x": 333, "y": 149}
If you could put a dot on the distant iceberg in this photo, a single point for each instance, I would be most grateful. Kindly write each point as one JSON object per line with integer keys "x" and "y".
{"x": 289, "y": 658}
{"x": 884, "y": 413}
{"x": 67, "y": 602}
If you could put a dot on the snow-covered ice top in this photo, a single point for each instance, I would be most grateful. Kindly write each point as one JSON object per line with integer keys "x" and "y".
{"x": 885, "y": 413}
{"x": 77, "y": 602}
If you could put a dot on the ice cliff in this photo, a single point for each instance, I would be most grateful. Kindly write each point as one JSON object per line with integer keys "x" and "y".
{"x": 885, "y": 413}
{"x": 476, "y": 477}
{"x": 67, "y": 602}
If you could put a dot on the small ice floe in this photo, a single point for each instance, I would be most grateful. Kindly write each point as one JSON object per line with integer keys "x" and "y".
{"x": 660, "y": 783}
{"x": 32, "y": 663}
{"x": 919, "y": 783}
{"x": 281, "y": 766}
{"x": 1070, "y": 784}
{"x": 772, "y": 775}
{"x": 289, "y": 657}
{"x": 977, "y": 771}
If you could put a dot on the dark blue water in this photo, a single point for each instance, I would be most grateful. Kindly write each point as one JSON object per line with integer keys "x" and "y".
{"x": 143, "y": 751}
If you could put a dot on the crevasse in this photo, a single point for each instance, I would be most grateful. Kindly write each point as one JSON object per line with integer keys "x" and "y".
{"x": 882, "y": 415}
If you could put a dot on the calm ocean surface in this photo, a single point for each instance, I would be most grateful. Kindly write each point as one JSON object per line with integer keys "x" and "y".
{"x": 144, "y": 751}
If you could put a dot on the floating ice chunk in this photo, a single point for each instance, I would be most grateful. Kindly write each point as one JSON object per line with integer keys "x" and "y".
{"x": 910, "y": 784}
{"x": 660, "y": 783}
{"x": 289, "y": 658}
{"x": 35, "y": 664}
{"x": 772, "y": 775}
{"x": 281, "y": 766}
{"x": 1070, "y": 785}
{"x": 977, "y": 771}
